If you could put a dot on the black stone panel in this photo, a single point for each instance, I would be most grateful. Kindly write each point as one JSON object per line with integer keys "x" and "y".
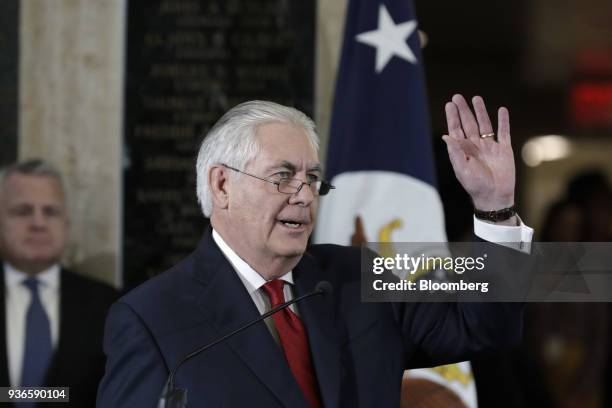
{"x": 9, "y": 71}
{"x": 187, "y": 63}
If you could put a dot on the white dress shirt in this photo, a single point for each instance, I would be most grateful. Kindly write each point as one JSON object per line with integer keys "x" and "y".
{"x": 17, "y": 301}
{"x": 516, "y": 237}
{"x": 253, "y": 283}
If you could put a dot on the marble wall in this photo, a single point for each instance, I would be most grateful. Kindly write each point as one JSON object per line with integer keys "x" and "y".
{"x": 330, "y": 30}
{"x": 70, "y": 113}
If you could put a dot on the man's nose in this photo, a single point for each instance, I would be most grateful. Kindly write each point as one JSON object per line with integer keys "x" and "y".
{"x": 39, "y": 220}
{"x": 304, "y": 197}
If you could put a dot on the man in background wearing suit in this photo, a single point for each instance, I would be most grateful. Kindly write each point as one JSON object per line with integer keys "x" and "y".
{"x": 51, "y": 320}
{"x": 259, "y": 180}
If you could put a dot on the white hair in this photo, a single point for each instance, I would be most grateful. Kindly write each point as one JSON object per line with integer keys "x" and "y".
{"x": 32, "y": 167}
{"x": 232, "y": 140}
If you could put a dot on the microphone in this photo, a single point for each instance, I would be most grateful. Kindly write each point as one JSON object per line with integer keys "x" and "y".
{"x": 177, "y": 397}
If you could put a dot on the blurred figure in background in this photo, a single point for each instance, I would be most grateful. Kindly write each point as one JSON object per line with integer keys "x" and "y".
{"x": 590, "y": 191}
{"x": 51, "y": 320}
{"x": 569, "y": 341}
{"x": 564, "y": 222}
{"x": 564, "y": 359}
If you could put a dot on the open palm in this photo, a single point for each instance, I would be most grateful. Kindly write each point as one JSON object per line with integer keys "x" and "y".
{"x": 484, "y": 167}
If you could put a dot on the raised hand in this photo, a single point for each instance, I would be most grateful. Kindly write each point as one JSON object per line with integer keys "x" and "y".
{"x": 483, "y": 165}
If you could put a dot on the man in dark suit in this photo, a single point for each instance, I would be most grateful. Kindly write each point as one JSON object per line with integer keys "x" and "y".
{"x": 51, "y": 320}
{"x": 259, "y": 181}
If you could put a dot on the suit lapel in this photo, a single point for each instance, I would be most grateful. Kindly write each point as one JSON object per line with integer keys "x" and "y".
{"x": 228, "y": 305}
{"x": 4, "y": 376}
{"x": 318, "y": 315}
{"x": 68, "y": 318}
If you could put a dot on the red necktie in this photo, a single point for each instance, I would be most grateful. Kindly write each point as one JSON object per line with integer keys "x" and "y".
{"x": 295, "y": 343}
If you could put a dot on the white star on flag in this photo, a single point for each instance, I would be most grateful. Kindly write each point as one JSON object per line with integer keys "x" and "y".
{"x": 389, "y": 39}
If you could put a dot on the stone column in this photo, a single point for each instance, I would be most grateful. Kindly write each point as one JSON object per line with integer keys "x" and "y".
{"x": 330, "y": 32}
{"x": 70, "y": 113}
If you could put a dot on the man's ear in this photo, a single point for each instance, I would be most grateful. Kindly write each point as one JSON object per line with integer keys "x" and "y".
{"x": 217, "y": 180}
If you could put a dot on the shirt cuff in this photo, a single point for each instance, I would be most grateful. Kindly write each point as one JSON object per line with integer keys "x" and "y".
{"x": 518, "y": 237}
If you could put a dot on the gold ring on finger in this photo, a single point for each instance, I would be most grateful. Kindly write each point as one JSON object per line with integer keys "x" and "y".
{"x": 487, "y": 135}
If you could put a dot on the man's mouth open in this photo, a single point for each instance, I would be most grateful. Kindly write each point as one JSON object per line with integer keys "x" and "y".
{"x": 293, "y": 224}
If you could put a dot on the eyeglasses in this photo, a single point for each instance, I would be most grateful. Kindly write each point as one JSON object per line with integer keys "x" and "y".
{"x": 292, "y": 186}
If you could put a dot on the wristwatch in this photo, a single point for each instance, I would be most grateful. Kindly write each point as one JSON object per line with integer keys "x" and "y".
{"x": 495, "y": 216}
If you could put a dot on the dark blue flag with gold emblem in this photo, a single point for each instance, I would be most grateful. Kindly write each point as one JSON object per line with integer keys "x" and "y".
{"x": 380, "y": 155}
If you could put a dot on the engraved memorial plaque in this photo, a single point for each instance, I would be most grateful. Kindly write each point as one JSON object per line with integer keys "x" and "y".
{"x": 187, "y": 63}
{"x": 9, "y": 62}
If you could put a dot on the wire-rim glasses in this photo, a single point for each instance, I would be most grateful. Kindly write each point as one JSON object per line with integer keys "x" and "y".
{"x": 291, "y": 186}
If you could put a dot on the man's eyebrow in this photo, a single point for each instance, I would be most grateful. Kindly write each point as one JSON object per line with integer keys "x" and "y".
{"x": 316, "y": 167}
{"x": 20, "y": 207}
{"x": 288, "y": 165}
{"x": 292, "y": 167}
